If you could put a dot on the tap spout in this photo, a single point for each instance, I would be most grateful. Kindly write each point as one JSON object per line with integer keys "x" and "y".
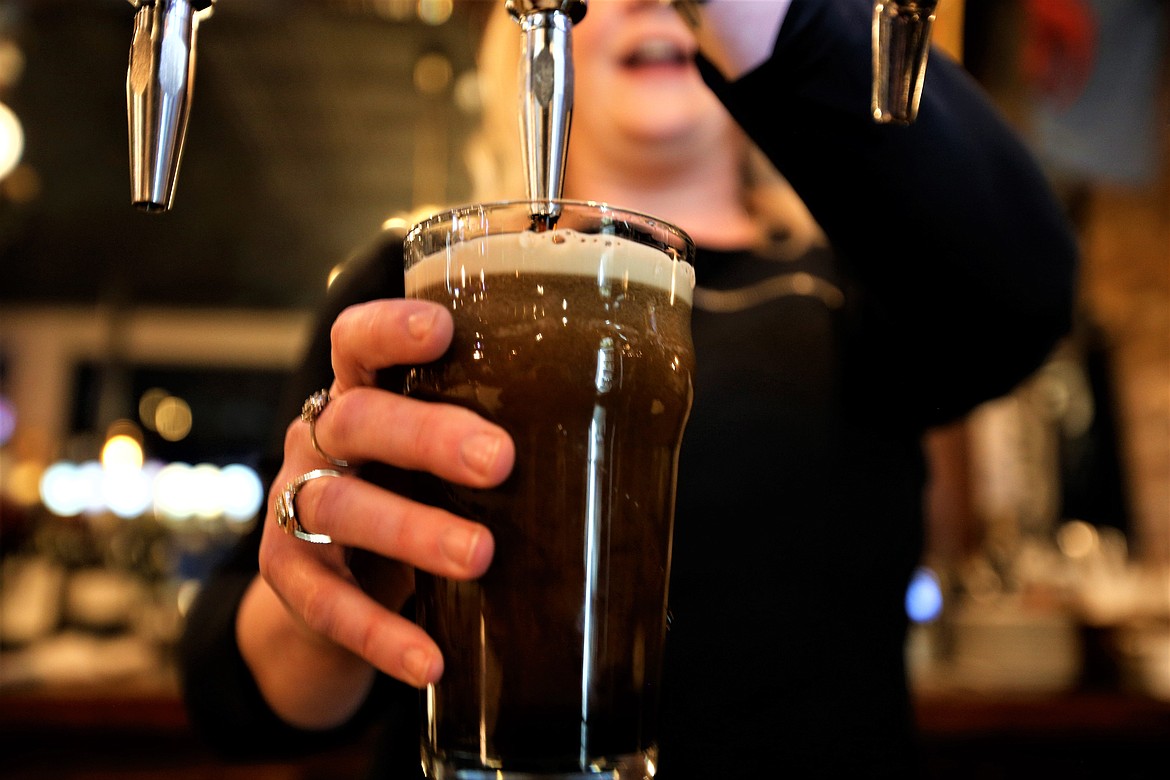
{"x": 901, "y": 47}
{"x": 158, "y": 95}
{"x": 546, "y": 94}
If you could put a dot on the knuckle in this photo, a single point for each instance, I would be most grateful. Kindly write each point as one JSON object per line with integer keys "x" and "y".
{"x": 344, "y": 322}
{"x": 314, "y": 496}
{"x": 266, "y": 564}
{"x": 429, "y": 422}
{"x": 292, "y": 435}
{"x": 371, "y": 641}
{"x": 394, "y": 530}
{"x": 350, "y": 330}
{"x": 366, "y": 319}
{"x": 273, "y": 566}
{"x": 337, "y": 332}
{"x": 340, "y": 420}
{"x": 318, "y": 611}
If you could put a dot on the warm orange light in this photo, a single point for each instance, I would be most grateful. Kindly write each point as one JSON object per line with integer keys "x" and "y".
{"x": 122, "y": 451}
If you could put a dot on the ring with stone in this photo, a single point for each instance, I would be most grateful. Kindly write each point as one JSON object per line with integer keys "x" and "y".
{"x": 310, "y": 411}
{"x": 286, "y": 507}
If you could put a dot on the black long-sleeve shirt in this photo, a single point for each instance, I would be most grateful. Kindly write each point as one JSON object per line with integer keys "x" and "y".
{"x": 948, "y": 277}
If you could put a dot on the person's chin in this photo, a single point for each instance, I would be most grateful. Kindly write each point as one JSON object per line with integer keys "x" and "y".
{"x": 667, "y": 120}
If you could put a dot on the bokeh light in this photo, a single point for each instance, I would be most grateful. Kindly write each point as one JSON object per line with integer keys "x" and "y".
{"x": 924, "y": 599}
{"x": 90, "y": 479}
{"x": 172, "y": 492}
{"x": 242, "y": 492}
{"x": 122, "y": 451}
{"x": 435, "y": 12}
{"x": 126, "y": 491}
{"x": 183, "y": 492}
{"x": 1077, "y": 539}
{"x": 433, "y": 73}
{"x": 11, "y": 140}
{"x": 205, "y": 491}
{"x": 69, "y": 489}
{"x": 22, "y": 481}
{"x": 148, "y": 406}
{"x": 172, "y": 418}
{"x": 175, "y": 491}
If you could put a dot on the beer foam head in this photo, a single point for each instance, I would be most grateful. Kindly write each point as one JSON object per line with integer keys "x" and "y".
{"x": 613, "y": 260}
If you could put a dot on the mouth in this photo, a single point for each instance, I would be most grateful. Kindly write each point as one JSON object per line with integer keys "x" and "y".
{"x": 657, "y": 52}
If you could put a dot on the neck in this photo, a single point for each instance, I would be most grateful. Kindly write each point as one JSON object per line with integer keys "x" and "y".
{"x": 703, "y": 197}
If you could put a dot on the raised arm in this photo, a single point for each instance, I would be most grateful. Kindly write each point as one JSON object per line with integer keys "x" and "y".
{"x": 950, "y": 224}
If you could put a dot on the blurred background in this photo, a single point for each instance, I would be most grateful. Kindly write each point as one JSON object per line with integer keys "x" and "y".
{"x": 139, "y": 355}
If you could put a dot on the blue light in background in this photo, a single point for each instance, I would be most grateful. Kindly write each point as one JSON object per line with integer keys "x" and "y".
{"x": 924, "y": 599}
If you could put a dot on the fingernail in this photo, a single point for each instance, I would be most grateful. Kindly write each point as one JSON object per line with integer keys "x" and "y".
{"x": 479, "y": 451}
{"x": 420, "y": 323}
{"x": 417, "y": 663}
{"x": 459, "y": 545}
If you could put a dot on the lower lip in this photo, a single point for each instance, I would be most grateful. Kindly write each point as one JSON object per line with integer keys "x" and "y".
{"x": 657, "y": 69}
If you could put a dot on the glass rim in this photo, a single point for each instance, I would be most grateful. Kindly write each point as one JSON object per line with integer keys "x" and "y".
{"x": 446, "y": 215}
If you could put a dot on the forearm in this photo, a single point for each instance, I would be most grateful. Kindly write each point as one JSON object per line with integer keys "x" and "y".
{"x": 223, "y": 700}
{"x": 958, "y": 184}
{"x": 239, "y": 642}
{"x": 308, "y": 681}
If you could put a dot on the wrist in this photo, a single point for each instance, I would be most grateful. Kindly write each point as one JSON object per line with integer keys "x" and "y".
{"x": 309, "y": 681}
{"x": 736, "y": 36}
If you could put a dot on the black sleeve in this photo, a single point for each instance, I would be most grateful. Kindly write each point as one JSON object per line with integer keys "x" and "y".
{"x": 223, "y": 703}
{"x": 965, "y": 256}
{"x": 372, "y": 272}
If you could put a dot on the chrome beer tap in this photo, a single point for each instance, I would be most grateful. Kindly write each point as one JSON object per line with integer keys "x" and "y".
{"x": 546, "y": 95}
{"x": 162, "y": 67}
{"x": 158, "y": 95}
{"x": 901, "y": 47}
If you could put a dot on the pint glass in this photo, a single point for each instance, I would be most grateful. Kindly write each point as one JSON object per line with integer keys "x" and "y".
{"x": 574, "y": 336}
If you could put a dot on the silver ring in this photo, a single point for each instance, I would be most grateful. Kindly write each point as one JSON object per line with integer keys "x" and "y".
{"x": 286, "y": 507}
{"x": 310, "y": 411}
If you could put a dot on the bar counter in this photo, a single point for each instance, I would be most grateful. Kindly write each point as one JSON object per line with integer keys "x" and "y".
{"x": 138, "y": 729}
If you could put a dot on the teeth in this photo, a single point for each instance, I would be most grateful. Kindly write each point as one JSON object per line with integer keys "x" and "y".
{"x": 657, "y": 51}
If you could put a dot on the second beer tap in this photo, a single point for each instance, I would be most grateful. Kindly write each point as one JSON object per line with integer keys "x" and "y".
{"x": 546, "y": 95}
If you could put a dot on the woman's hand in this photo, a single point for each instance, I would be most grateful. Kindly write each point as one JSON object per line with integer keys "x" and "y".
{"x": 309, "y": 632}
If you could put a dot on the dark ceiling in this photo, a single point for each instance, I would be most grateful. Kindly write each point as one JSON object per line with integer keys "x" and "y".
{"x": 301, "y": 142}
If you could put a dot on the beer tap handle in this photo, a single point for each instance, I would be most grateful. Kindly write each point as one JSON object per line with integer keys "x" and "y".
{"x": 546, "y": 94}
{"x": 158, "y": 95}
{"x": 901, "y": 47}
